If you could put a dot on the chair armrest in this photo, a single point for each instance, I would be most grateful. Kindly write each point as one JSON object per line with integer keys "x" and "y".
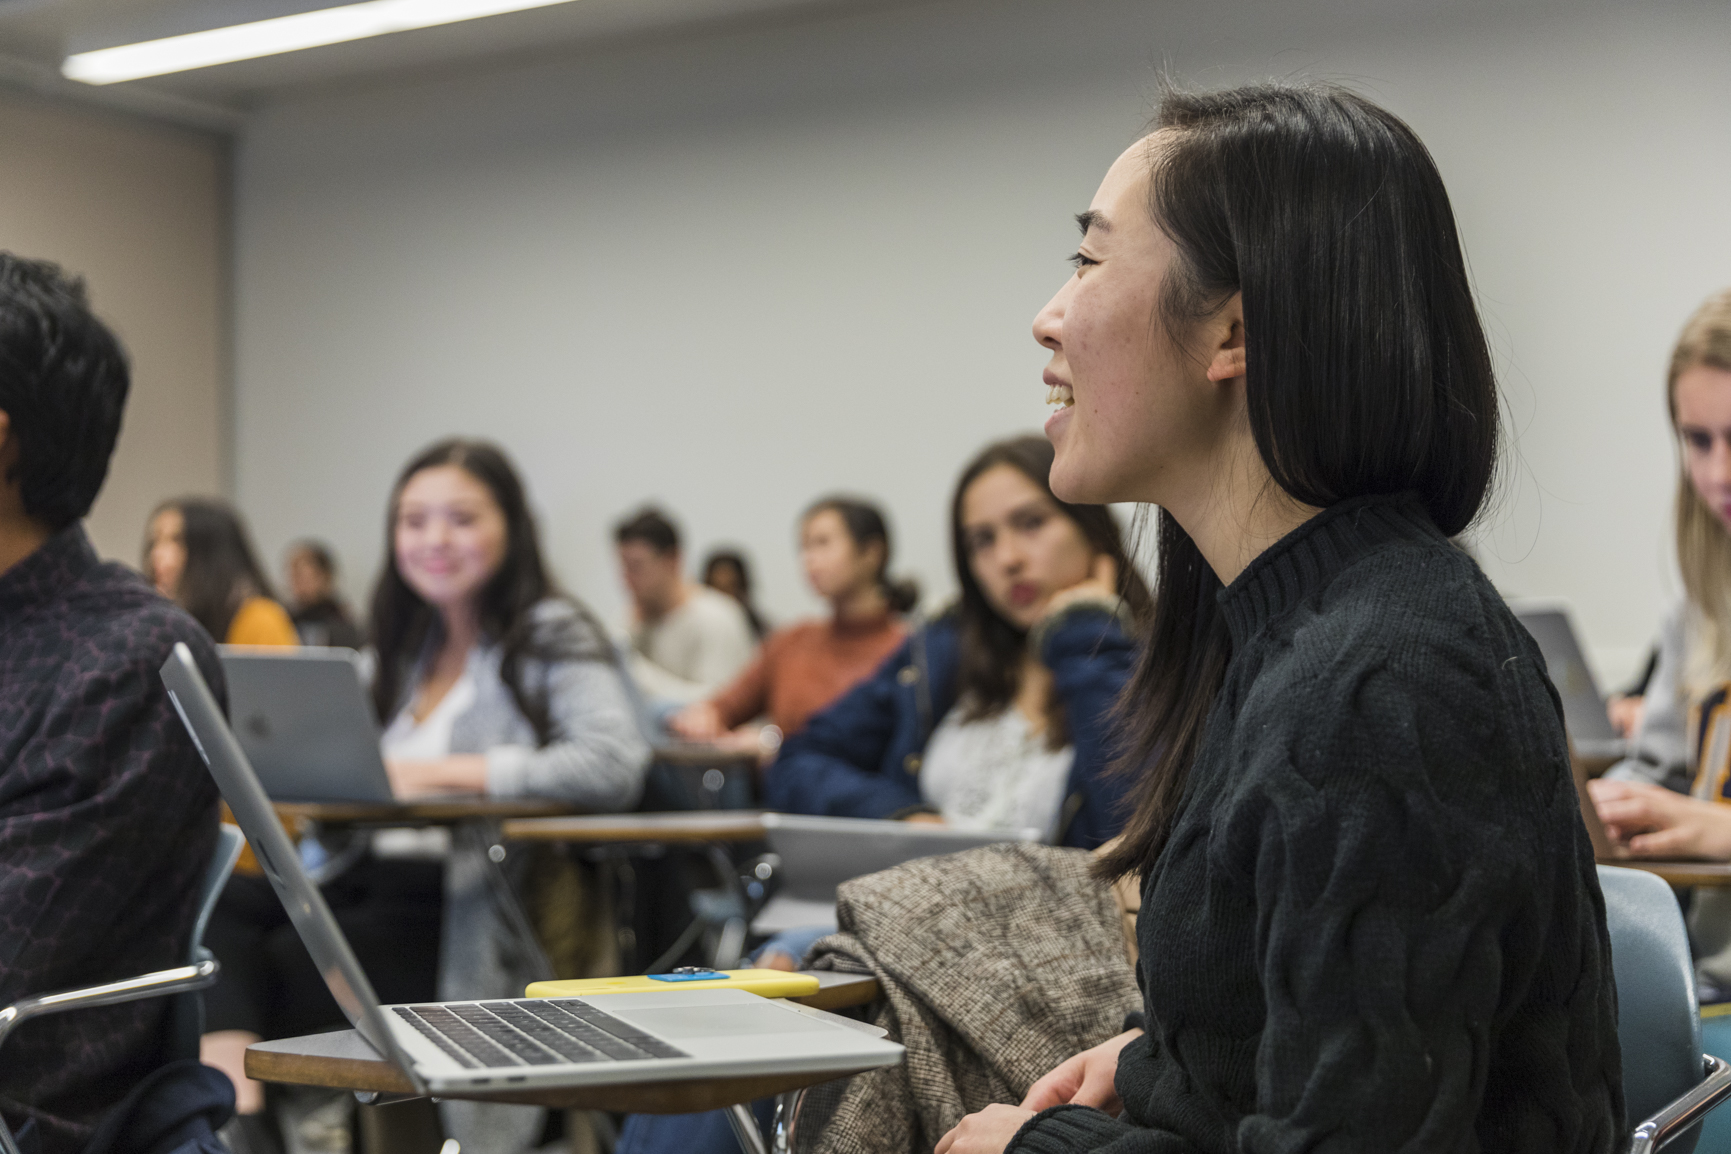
{"x": 1656, "y": 1131}
{"x": 158, "y": 984}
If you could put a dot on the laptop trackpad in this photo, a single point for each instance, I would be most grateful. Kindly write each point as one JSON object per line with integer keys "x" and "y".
{"x": 711, "y": 1021}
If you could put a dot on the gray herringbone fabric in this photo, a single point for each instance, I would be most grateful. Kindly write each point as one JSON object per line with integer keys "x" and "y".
{"x": 994, "y": 965}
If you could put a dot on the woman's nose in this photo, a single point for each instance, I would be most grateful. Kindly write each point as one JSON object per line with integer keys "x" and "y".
{"x": 1049, "y": 321}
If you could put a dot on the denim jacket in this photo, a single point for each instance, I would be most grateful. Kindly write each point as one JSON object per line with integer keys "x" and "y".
{"x": 861, "y": 756}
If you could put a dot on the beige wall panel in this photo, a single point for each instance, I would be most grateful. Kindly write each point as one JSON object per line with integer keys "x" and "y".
{"x": 139, "y": 211}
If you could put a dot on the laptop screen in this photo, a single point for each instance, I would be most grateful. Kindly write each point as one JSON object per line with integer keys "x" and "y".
{"x": 276, "y": 854}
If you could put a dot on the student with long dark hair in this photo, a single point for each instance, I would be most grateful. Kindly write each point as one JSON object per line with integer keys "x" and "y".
{"x": 198, "y": 555}
{"x": 1369, "y": 917}
{"x": 995, "y": 715}
{"x": 844, "y": 548}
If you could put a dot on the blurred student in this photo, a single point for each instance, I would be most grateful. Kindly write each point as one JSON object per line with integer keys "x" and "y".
{"x": 726, "y": 571}
{"x": 997, "y": 715}
{"x": 1669, "y": 797}
{"x": 688, "y": 639}
{"x": 319, "y": 615}
{"x": 844, "y": 548}
{"x": 197, "y": 554}
{"x": 107, "y": 816}
{"x": 490, "y": 680}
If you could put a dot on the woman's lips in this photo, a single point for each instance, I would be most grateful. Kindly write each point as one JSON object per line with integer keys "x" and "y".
{"x": 1024, "y": 594}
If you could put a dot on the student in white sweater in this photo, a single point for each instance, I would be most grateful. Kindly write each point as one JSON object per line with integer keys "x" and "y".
{"x": 687, "y": 640}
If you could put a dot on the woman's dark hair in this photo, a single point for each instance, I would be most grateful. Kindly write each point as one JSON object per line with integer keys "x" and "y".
{"x": 403, "y": 624}
{"x": 63, "y": 384}
{"x": 1367, "y": 369}
{"x": 221, "y": 570}
{"x": 735, "y": 560}
{"x": 318, "y": 553}
{"x": 865, "y": 524}
{"x": 990, "y": 669}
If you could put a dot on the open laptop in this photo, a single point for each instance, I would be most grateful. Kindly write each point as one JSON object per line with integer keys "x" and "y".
{"x": 304, "y": 723}
{"x": 1583, "y": 706}
{"x": 819, "y": 853}
{"x": 459, "y": 1047}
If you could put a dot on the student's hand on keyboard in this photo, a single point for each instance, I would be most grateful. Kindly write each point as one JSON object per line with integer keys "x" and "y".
{"x": 459, "y": 773}
{"x": 1088, "y": 1079}
{"x": 985, "y": 1132}
{"x": 1656, "y": 822}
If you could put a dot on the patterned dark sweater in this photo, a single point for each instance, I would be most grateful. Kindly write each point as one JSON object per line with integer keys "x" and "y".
{"x": 1376, "y": 926}
{"x": 107, "y": 821}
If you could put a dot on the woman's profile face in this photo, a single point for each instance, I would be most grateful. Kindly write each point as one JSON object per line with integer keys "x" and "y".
{"x": 449, "y": 537}
{"x": 1703, "y": 396}
{"x": 167, "y": 551}
{"x": 834, "y": 565}
{"x": 1144, "y": 413}
{"x": 1020, "y": 546}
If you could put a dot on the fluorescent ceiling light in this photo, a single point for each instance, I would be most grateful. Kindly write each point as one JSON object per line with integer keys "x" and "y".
{"x": 280, "y": 34}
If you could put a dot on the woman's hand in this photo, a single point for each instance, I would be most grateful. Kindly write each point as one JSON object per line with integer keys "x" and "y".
{"x": 1656, "y": 822}
{"x": 924, "y": 819}
{"x": 1100, "y": 584}
{"x": 1625, "y": 714}
{"x": 459, "y": 773}
{"x": 985, "y": 1132}
{"x": 1088, "y": 1079}
{"x": 699, "y": 721}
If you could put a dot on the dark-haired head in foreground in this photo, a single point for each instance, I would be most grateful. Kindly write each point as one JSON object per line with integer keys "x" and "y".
{"x": 110, "y": 818}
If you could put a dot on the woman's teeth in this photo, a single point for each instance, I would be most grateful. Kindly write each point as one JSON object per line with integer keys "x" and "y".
{"x": 1060, "y": 395}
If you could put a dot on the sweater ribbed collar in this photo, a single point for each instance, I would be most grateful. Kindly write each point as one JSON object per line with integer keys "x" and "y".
{"x": 1310, "y": 556}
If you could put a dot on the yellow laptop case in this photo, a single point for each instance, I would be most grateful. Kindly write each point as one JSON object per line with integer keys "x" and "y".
{"x": 765, "y": 983}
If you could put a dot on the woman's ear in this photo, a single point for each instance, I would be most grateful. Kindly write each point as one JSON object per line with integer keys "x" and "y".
{"x": 1226, "y": 335}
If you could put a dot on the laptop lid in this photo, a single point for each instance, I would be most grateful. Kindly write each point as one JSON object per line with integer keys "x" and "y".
{"x": 277, "y": 856}
{"x": 819, "y": 853}
{"x": 303, "y": 720}
{"x": 1583, "y": 705}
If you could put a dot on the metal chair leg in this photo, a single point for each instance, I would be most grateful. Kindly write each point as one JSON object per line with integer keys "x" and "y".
{"x": 745, "y": 1128}
{"x": 782, "y": 1123}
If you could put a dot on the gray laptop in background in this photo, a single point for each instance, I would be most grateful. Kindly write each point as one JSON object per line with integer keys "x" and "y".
{"x": 819, "y": 853}
{"x": 303, "y": 719}
{"x": 1583, "y": 707}
{"x": 520, "y": 1043}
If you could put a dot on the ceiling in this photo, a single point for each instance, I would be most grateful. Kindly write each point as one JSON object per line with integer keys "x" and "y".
{"x": 35, "y": 35}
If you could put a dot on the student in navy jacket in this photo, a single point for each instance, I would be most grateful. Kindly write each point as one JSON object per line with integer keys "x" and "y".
{"x": 1037, "y": 643}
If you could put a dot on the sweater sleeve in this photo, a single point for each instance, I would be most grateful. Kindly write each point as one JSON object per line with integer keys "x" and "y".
{"x": 1091, "y": 658}
{"x": 597, "y": 756}
{"x": 832, "y": 766}
{"x": 748, "y": 694}
{"x": 1659, "y": 752}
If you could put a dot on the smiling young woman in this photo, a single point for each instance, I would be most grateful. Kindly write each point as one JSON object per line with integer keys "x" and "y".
{"x": 1370, "y": 919}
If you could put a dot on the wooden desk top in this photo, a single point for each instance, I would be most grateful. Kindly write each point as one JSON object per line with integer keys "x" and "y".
{"x": 343, "y": 1060}
{"x": 703, "y": 755}
{"x": 613, "y": 829}
{"x": 1681, "y": 873}
{"x": 436, "y": 811}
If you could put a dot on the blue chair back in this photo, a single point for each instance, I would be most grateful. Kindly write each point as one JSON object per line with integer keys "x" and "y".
{"x": 1658, "y": 1020}
{"x": 186, "y": 1011}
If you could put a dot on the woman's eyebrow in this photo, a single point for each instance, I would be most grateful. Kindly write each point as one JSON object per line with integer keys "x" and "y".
{"x": 1092, "y": 219}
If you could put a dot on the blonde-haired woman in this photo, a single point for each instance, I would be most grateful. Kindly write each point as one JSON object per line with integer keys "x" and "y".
{"x": 1684, "y": 742}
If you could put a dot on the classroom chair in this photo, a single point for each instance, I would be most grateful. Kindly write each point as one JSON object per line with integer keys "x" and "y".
{"x": 1668, "y": 1082}
{"x": 185, "y": 1019}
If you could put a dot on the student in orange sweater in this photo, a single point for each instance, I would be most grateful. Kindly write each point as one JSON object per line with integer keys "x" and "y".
{"x": 197, "y": 554}
{"x": 844, "y": 546}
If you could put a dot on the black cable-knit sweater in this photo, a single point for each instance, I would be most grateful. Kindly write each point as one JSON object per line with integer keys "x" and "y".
{"x": 1376, "y": 926}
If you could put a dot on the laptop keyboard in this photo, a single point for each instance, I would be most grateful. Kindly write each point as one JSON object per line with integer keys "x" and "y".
{"x": 532, "y": 1032}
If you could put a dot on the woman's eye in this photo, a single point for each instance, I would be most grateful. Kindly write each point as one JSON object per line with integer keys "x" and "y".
{"x": 1699, "y": 442}
{"x": 1081, "y": 261}
{"x": 1029, "y": 522}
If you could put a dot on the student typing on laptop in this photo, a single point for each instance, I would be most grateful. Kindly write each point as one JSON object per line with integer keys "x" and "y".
{"x": 1684, "y": 742}
{"x": 488, "y": 680}
{"x": 107, "y": 819}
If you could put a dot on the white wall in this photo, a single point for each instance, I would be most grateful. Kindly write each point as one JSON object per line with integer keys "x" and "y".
{"x": 732, "y": 273}
{"x": 139, "y": 211}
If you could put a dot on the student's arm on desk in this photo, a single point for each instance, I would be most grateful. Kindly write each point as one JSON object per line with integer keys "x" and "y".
{"x": 597, "y": 758}
{"x": 830, "y": 768}
{"x": 1657, "y": 823}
